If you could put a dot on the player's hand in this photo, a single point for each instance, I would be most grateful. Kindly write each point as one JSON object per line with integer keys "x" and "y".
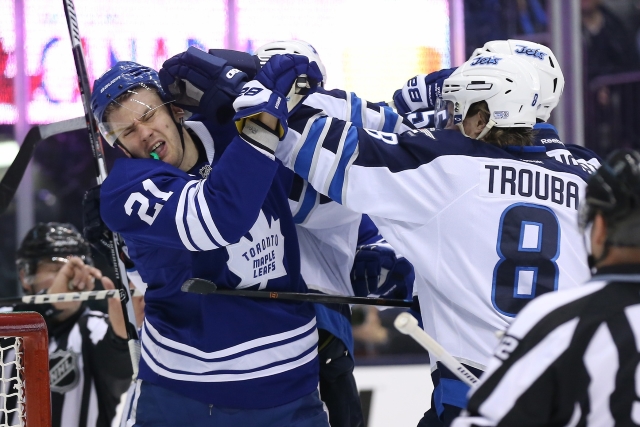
{"x": 202, "y": 83}
{"x": 266, "y": 94}
{"x": 421, "y": 92}
{"x": 368, "y": 264}
{"x": 398, "y": 281}
{"x": 74, "y": 276}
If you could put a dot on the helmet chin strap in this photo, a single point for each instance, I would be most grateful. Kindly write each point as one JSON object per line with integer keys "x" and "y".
{"x": 484, "y": 131}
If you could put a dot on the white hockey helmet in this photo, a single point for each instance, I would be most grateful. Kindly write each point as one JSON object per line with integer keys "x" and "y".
{"x": 296, "y": 47}
{"x": 541, "y": 57}
{"x": 508, "y": 84}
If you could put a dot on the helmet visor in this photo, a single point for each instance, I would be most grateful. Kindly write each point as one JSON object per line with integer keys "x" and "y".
{"x": 443, "y": 114}
{"x": 115, "y": 129}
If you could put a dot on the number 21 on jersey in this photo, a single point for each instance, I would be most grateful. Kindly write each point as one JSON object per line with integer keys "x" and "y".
{"x": 528, "y": 246}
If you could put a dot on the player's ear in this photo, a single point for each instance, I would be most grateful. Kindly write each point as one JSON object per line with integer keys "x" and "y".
{"x": 178, "y": 112}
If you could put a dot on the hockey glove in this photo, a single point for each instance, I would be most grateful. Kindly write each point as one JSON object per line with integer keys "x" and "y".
{"x": 421, "y": 92}
{"x": 96, "y": 231}
{"x": 202, "y": 83}
{"x": 266, "y": 94}
{"x": 368, "y": 264}
{"x": 398, "y": 282}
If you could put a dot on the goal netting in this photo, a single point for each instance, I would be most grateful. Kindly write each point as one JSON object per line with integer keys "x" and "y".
{"x": 24, "y": 363}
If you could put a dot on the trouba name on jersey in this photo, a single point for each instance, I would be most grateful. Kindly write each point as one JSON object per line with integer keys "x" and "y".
{"x": 507, "y": 181}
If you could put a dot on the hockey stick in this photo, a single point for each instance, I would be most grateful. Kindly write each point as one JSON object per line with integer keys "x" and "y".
{"x": 407, "y": 324}
{"x": 64, "y": 297}
{"x": 206, "y": 287}
{"x": 13, "y": 176}
{"x": 122, "y": 283}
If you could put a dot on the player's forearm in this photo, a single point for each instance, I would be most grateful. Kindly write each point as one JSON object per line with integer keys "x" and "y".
{"x": 349, "y": 107}
{"x": 192, "y": 214}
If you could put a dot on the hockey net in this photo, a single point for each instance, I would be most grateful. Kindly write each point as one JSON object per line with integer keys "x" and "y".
{"x": 24, "y": 360}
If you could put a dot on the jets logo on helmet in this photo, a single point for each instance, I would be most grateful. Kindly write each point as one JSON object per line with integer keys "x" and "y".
{"x": 536, "y": 53}
{"x": 485, "y": 61}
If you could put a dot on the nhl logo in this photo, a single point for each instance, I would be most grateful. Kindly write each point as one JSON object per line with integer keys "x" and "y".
{"x": 204, "y": 171}
{"x": 63, "y": 371}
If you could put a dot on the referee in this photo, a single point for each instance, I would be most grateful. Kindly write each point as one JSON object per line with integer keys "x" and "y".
{"x": 572, "y": 357}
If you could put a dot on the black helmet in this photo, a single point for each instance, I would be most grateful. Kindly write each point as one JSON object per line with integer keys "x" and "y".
{"x": 614, "y": 191}
{"x": 50, "y": 240}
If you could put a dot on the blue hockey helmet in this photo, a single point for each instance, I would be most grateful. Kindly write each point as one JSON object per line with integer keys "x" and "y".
{"x": 120, "y": 78}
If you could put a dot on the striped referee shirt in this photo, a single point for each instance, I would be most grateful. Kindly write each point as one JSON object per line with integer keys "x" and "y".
{"x": 89, "y": 369}
{"x": 570, "y": 358}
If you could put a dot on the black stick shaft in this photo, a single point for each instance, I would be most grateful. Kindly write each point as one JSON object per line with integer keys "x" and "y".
{"x": 15, "y": 172}
{"x": 316, "y": 298}
{"x": 206, "y": 287}
{"x": 122, "y": 282}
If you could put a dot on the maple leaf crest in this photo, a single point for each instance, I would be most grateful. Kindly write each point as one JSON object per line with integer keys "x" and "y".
{"x": 258, "y": 260}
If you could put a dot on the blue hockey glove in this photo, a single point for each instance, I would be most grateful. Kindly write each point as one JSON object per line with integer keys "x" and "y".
{"x": 367, "y": 267}
{"x": 267, "y": 92}
{"x": 398, "y": 283}
{"x": 421, "y": 92}
{"x": 202, "y": 83}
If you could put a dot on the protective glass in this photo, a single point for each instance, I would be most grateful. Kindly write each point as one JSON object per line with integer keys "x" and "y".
{"x": 443, "y": 114}
{"x": 128, "y": 131}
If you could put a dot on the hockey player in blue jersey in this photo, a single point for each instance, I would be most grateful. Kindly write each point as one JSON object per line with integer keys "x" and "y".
{"x": 192, "y": 205}
{"x": 486, "y": 217}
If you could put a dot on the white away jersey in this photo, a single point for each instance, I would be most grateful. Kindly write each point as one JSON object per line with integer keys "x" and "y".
{"x": 486, "y": 228}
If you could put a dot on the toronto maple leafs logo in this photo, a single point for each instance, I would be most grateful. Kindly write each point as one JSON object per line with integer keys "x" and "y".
{"x": 258, "y": 256}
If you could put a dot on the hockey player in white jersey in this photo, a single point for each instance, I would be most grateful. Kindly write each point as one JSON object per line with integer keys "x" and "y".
{"x": 571, "y": 358}
{"x": 193, "y": 200}
{"x": 486, "y": 217}
{"x": 417, "y": 98}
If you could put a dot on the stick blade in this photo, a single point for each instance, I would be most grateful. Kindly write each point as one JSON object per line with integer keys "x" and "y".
{"x": 198, "y": 286}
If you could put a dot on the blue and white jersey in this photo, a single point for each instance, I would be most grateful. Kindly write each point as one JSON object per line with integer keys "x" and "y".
{"x": 228, "y": 221}
{"x": 328, "y": 231}
{"x": 486, "y": 228}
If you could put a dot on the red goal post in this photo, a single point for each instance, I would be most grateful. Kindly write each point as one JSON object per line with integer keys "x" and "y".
{"x": 31, "y": 364}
